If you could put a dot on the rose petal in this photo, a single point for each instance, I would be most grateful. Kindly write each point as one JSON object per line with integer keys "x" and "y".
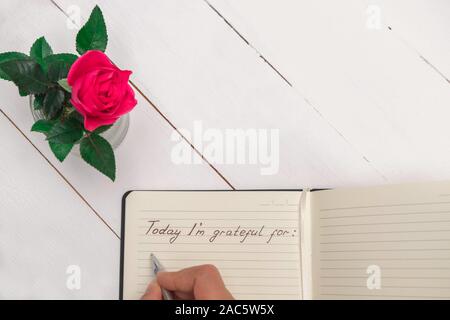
{"x": 92, "y": 123}
{"x": 101, "y": 92}
{"x": 128, "y": 102}
{"x": 91, "y": 60}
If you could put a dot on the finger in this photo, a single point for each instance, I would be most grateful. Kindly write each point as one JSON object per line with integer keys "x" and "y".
{"x": 203, "y": 281}
{"x": 184, "y": 279}
{"x": 153, "y": 292}
{"x": 184, "y": 295}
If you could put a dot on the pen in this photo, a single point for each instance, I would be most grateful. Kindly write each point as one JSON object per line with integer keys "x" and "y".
{"x": 157, "y": 267}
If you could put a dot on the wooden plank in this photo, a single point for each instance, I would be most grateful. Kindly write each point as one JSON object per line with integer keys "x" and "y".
{"x": 423, "y": 26}
{"x": 368, "y": 83}
{"x": 45, "y": 228}
{"x": 144, "y": 158}
{"x": 194, "y": 67}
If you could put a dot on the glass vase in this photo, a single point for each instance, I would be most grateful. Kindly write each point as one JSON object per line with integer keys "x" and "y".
{"x": 114, "y": 135}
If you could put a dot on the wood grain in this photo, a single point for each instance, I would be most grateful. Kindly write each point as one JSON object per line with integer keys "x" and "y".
{"x": 354, "y": 106}
{"x": 144, "y": 158}
{"x": 193, "y": 72}
{"x": 45, "y": 228}
{"x": 374, "y": 86}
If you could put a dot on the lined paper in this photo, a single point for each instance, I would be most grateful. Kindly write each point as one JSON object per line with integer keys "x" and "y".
{"x": 251, "y": 237}
{"x": 403, "y": 230}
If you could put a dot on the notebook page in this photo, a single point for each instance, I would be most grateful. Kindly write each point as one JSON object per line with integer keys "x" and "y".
{"x": 385, "y": 242}
{"x": 252, "y": 237}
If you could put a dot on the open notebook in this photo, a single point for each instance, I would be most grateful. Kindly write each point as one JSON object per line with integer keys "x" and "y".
{"x": 361, "y": 243}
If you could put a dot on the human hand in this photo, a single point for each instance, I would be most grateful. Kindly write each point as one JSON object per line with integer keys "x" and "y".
{"x": 196, "y": 283}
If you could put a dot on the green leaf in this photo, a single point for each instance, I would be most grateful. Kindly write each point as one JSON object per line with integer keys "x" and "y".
{"x": 8, "y": 56}
{"x": 53, "y": 102}
{"x": 69, "y": 131}
{"x": 58, "y": 65}
{"x": 102, "y": 129}
{"x": 96, "y": 151}
{"x": 38, "y": 101}
{"x": 65, "y": 85}
{"x": 40, "y": 50}
{"x": 27, "y": 75}
{"x": 42, "y": 126}
{"x": 60, "y": 150}
{"x": 92, "y": 36}
{"x": 77, "y": 116}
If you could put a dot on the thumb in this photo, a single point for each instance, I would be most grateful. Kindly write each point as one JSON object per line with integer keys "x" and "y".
{"x": 153, "y": 292}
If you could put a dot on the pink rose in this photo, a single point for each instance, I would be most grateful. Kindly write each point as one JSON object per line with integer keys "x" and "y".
{"x": 100, "y": 90}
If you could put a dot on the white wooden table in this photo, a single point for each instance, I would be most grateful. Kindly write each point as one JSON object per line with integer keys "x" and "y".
{"x": 358, "y": 100}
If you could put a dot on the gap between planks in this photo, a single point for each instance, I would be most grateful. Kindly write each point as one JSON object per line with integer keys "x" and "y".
{"x": 284, "y": 78}
{"x": 60, "y": 174}
{"x": 308, "y": 102}
{"x": 153, "y": 105}
{"x": 71, "y": 185}
{"x": 417, "y": 52}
